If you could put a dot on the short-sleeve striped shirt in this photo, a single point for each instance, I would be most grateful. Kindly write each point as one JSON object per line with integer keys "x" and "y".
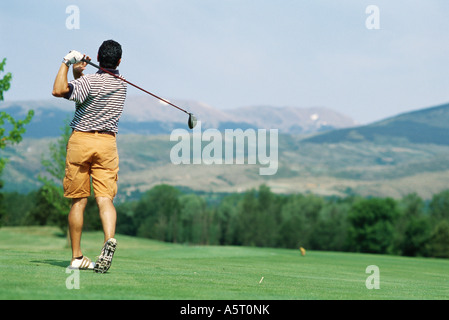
{"x": 100, "y": 99}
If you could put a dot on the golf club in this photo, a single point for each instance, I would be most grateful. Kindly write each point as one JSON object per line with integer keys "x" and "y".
{"x": 192, "y": 119}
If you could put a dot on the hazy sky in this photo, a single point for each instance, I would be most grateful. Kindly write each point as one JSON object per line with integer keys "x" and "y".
{"x": 234, "y": 53}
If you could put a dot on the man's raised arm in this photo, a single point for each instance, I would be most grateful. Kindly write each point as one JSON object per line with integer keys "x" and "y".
{"x": 61, "y": 84}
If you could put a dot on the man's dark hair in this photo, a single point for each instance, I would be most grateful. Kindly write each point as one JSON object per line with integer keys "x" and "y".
{"x": 109, "y": 54}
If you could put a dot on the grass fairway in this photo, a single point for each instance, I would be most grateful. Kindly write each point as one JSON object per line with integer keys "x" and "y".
{"x": 33, "y": 263}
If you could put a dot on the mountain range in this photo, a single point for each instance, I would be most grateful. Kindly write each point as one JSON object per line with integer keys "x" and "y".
{"x": 146, "y": 115}
{"x": 319, "y": 150}
{"x": 429, "y": 125}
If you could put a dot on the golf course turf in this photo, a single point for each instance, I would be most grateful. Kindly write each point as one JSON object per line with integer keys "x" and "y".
{"x": 34, "y": 260}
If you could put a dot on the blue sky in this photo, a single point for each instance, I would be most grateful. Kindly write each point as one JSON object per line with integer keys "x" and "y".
{"x": 234, "y": 53}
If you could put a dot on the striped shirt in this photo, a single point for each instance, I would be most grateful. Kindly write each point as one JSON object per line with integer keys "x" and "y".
{"x": 100, "y": 99}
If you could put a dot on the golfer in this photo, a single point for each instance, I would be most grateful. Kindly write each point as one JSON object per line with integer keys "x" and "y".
{"x": 92, "y": 149}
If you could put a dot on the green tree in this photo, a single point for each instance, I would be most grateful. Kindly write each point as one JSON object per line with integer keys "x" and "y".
{"x": 247, "y": 214}
{"x": 330, "y": 231}
{"x": 51, "y": 193}
{"x": 257, "y": 213}
{"x": 300, "y": 216}
{"x": 226, "y": 219}
{"x": 17, "y": 207}
{"x": 438, "y": 245}
{"x": 16, "y": 128}
{"x": 412, "y": 227}
{"x": 439, "y": 206}
{"x": 43, "y": 212}
{"x": 416, "y": 237}
{"x": 194, "y": 220}
{"x": 125, "y": 218}
{"x": 5, "y": 82}
{"x": 157, "y": 214}
{"x": 371, "y": 225}
{"x": 269, "y": 217}
{"x": 292, "y": 228}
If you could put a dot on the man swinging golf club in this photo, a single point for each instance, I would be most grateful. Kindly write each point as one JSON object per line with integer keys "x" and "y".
{"x": 91, "y": 149}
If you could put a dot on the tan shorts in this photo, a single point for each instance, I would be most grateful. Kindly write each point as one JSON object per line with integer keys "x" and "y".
{"x": 91, "y": 154}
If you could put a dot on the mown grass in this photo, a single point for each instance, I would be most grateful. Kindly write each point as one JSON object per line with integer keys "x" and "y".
{"x": 33, "y": 263}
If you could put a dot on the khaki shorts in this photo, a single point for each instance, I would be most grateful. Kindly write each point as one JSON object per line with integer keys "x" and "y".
{"x": 91, "y": 154}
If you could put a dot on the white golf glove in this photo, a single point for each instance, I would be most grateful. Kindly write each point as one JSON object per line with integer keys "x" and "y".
{"x": 73, "y": 57}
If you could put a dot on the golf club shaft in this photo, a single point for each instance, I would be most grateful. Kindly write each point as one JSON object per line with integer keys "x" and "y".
{"x": 118, "y": 77}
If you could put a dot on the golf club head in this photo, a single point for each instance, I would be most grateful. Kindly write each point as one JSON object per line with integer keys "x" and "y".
{"x": 192, "y": 121}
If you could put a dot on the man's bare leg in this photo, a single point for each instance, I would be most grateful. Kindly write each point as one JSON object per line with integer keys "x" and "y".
{"x": 108, "y": 216}
{"x": 76, "y": 216}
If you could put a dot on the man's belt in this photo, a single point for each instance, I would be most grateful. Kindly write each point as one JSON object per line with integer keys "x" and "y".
{"x": 99, "y": 132}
